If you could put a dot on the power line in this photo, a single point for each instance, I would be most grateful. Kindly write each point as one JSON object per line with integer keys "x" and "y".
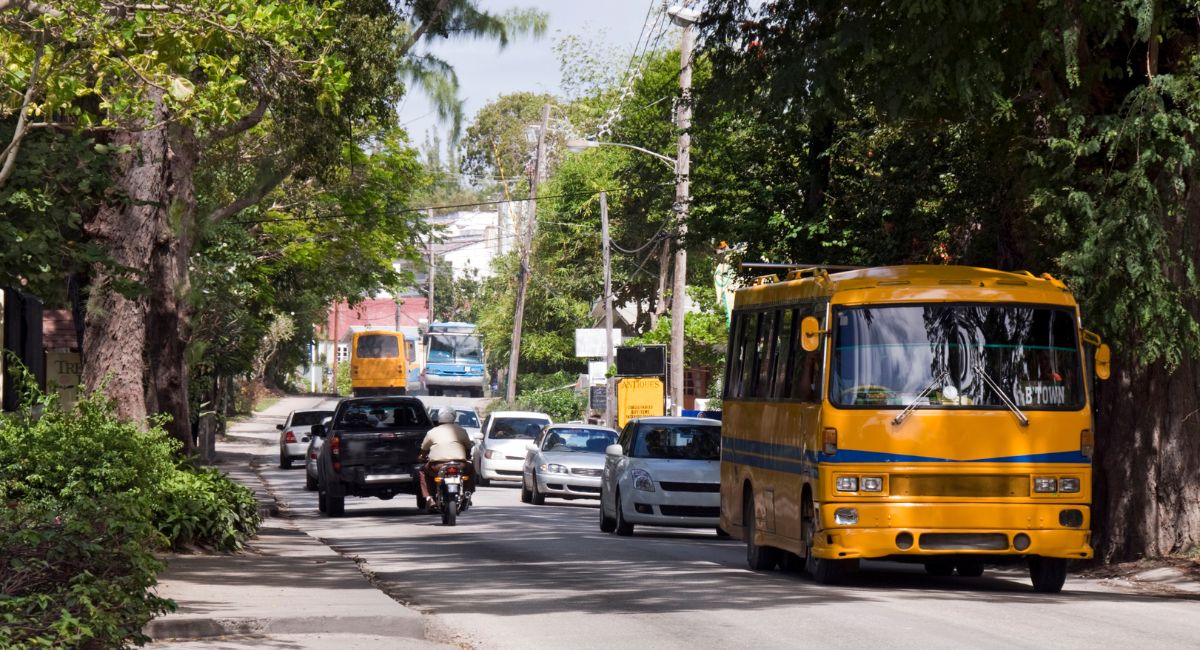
{"x": 401, "y": 211}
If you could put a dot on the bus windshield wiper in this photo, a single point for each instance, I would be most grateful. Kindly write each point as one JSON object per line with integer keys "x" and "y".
{"x": 937, "y": 381}
{"x": 1003, "y": 396}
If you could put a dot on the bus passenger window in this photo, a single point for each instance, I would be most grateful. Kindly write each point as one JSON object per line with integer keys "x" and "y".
{"x": 733, "y": 368}
{"x": 766, "y": 355}
{"x": 749, "y": 334}
{"x": 806, "y": 377}
{"x": 783, "y": 355}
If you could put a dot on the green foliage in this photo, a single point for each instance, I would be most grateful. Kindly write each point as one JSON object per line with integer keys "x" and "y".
{"x": 553, "y": 394}
{"x": 342, "y": 380}
{"x": 1060, "y": 136}
{"x": 496, "y": 145}
{"x": 89, "y": 498}
{"x": 203, "y": 506}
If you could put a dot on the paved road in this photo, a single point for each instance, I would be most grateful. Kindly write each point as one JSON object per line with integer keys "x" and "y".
{"x": 512, "y": 575}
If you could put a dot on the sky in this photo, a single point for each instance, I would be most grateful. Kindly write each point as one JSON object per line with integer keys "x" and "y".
{"x": 486, "y": 72}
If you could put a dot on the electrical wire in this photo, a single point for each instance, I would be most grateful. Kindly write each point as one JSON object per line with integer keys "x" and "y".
{"x": 401, "y": 211}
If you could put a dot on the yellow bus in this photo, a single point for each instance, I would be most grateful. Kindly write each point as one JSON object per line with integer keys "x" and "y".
{"x": 931, "y": 414}
{"x": 379, "y": 363}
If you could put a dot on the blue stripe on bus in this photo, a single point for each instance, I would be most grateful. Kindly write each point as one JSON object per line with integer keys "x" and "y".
{"x": 791, "y": 467}
{"x": 796, "y": 454}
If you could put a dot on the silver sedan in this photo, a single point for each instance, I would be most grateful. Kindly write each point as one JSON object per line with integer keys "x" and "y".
{"x": 566, "y": 461}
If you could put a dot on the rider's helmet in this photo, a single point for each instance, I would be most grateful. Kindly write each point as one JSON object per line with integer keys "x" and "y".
{"x": 446, "y": 415}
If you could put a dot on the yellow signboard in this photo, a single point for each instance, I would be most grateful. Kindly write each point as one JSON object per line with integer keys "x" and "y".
{"x": 638, "y": 397}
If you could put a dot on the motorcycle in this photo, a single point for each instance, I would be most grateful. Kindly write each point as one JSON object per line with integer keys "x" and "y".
{"x": 453, "y": 491}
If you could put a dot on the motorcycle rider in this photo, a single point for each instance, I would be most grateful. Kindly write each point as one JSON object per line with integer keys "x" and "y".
{"x": 444, "y": 443}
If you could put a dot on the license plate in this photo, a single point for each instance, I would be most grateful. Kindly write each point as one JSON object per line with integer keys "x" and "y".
{"x": 452, "y": 480}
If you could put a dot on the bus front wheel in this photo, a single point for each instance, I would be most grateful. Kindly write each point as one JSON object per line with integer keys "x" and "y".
{"x": 1047, "y": 574}
{"x": 822, "y": 571}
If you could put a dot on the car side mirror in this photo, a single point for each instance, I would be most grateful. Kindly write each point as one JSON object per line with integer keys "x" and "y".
{"x": 1103, "y": 362}
{"x": 318, "y": 430}
{"x": 475, "y": 437}
{"x": 279, "y": 427}
{"x": 531, "y": 447}
{"x": 614, "y": 450}
{"x": 810, "y": 333}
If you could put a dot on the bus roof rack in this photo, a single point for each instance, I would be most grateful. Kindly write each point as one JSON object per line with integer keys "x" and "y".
{"x": 775, "y": 265}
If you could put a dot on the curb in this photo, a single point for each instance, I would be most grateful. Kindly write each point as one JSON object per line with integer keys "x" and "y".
{"x": 204, "y": 628}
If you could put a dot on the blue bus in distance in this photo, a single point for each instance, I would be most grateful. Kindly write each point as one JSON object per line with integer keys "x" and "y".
{"x": 453, "y": 360}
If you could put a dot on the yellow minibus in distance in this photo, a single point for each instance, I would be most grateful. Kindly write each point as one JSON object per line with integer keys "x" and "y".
{"x": 378, "y": 363}
{"x": 931, "y": 414}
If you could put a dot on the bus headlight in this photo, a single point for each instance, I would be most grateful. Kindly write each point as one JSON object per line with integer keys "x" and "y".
{"x": 1068, "y": 484}
{"x": 847, "y": 484}
{"x": 1045, "y": 484}
{"x": 872, "y": 484}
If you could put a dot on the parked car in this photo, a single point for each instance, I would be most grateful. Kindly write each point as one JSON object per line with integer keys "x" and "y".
{"x": 294, "y": 434}
{"x": 467, "y": 419}
{"x": 566, "y": 461}
{"x": 310, "y": 458}
{"x": 371, "y": 449}
{"x": 663, "y": 471}
{"x": 501, "y": 453}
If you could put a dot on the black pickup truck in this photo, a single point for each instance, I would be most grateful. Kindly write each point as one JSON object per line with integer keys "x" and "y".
{"x": 371, "y": 449}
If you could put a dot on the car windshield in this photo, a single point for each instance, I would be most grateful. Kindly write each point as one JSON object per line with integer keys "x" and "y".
{"x": 681, "y": 441}
{"x": 468, "y": 419}
{"x": 578, "y": 439}
{"x": 382, "y": 415}
{"x": 512, "y": 428}
{"x": 888, "y": 356}
{"x": 451, "y": 348}
{"x": 302, "y": 418}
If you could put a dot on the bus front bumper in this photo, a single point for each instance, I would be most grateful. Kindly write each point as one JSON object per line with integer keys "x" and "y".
{"x": 924, "y": 529}
{"x": 454, "y": 381}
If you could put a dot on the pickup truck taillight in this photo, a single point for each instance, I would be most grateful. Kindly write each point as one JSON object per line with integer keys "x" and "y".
{"x": 335, "y": 452}
{"x": 290, "y": 437}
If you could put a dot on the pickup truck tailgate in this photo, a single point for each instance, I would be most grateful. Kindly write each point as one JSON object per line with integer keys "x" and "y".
{"x": 385, "y": 452}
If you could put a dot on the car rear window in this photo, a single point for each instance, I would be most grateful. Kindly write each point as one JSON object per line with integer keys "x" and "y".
{"x": 301, "y": 418}
{"x": 382, "y": 415}
{"x": 512, "y": 428}
{"x": 681, "y": 441}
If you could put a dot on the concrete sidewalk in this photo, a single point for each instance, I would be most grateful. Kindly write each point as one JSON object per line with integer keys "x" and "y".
{"x": 287, "y": 589}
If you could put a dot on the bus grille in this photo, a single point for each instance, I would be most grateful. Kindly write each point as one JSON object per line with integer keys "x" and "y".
{"x": 964, "y": 542}
{"x": 959, "y": 485}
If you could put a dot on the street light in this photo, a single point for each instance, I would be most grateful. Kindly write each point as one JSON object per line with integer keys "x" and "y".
{"x": 576, "y": 146}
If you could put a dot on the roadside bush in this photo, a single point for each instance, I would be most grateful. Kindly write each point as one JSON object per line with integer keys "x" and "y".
{"x": 203, "y": 507}
{"x": 561, "y": 404}
{"x": 87, "y": 499}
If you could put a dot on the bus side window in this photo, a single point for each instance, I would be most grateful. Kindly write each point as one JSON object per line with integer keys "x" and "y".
{"x": 749, "y": 334}
{"x": 806, "y": 375}
{"x": 783, "y": 355}
{"x": 733, "y": 367}
{"x": 765, "y": 352}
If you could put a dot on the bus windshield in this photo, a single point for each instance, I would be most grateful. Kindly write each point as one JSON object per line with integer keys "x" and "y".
{"x": 888, "y": 356}
{"x": 454, "y": 348}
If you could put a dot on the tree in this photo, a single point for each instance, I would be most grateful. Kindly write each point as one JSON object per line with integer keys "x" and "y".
{"x": 173, "y": 87}
{"x": 1052, "y": 134}
{"x": 497, "y": 145}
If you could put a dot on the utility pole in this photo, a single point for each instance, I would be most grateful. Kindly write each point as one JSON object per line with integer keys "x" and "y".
{"x": 687, "y": 19}
{"x": 432, "y": 265}
{"x": 526, "y": 245}
{"x": 608, "y": 312}
{"x": 337, "y": 310}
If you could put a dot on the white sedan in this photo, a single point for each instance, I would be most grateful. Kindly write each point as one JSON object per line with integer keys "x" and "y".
{"x": 294, "y": 433}
{"x": 664, "y": 472}
{"x": 565, "y": 462}
{"x": 501, "y": 453}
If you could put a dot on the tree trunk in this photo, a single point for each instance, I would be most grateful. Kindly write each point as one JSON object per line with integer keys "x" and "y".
{"x": 664, "y": 278}
{"x": 114, "y": 339}
{"x": 167, "y": 316}
{"x": 1147, "y": 500}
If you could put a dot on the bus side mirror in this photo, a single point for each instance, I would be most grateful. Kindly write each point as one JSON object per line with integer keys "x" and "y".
{"x": 1103, "y": 362}
{"x": 810, "y": 334}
